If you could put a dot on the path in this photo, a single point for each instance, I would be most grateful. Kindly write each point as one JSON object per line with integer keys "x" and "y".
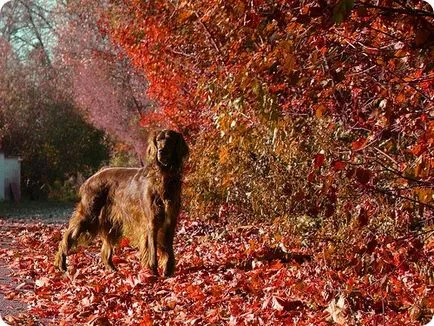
{"x": 7, "y": 307}
{"x": 27, "y": 211}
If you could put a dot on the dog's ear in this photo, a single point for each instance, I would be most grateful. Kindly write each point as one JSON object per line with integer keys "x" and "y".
{"x": 181, "y": 149}
{"x": 151, "y": 151}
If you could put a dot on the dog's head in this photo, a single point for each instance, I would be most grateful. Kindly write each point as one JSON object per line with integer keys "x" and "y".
{"x": 169, "y": 149}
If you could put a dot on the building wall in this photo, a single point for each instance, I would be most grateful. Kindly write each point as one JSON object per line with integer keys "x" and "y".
{"x": 10, "y": 178}
{"x": 2, "y": 176}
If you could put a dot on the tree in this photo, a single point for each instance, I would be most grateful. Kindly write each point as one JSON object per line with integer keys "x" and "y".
{"x": 37, "y": 121}
{"x": 296, "y": 107}
{"x": 27, "y": 25}
{"x": 60, "y": 62}
{"x": 105, "y": 86}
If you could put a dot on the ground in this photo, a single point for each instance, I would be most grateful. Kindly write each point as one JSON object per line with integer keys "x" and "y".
{"x": 234, "y": 275}
{"x": 28, "y": 212}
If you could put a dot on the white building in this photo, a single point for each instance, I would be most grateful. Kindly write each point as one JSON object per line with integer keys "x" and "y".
{"x": 10, "y": 178}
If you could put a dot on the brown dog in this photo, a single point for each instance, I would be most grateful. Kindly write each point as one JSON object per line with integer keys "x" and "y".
{"x": 141, "y": 204}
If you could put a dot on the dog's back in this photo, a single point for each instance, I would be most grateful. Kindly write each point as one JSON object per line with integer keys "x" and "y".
{"x": 108, "y": 178}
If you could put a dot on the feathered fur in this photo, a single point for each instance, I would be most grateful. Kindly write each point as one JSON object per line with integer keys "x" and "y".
{"x": 141, "y": 204}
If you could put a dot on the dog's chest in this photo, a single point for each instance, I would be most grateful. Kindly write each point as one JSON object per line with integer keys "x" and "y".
{"x": 167, "y": 188}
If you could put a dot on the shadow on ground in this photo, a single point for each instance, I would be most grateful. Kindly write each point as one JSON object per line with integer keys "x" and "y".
{"x": 46, "y": 211}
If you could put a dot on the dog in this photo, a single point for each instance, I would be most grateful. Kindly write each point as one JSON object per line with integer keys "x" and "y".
{"x": 141, "y": 204}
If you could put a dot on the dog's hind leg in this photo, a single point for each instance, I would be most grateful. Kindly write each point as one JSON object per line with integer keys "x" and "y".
{"x": 77, "y": 225}
{"x": 84, "y": 219}
{"x": 107, "y": 254}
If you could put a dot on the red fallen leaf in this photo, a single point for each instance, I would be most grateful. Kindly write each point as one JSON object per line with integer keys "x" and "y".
{"x": 280, "y": 304}
{"x": 311, "y": 177}
{"x": 98, "y": 288}
{"x": 277, "y": 303}
{"x": 293, "y": 305}
{"x": 359, "y": 143}
{"x": 98, "y": 320}
{"x": 235, "y": 306}
{"x": 42, "y": 311}
{"x": 125, "y": 242}
{"x": 276, "y": 265}
{"x": 10, "y": 296}
{"x": 362, "y": 218}
{"x": 11, "y": 319}
{"x": 424, "y": 118}
{"x": 196, "y": 292}
{"x": 145, "y": 276}
{"x": 319, "y": 112}
{"x": 339, "y": 165}
{"x": 117, "y": 260}
{"x": 319, "y": 160}
{"x": 86, "y": 301}
{"x": 418, "y": 149}
{"x": 146, "y": 320}
{"x": 131, "y": 281}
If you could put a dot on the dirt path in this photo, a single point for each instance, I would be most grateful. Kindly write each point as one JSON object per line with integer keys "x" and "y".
{"x": 7, "y": 307}
{"x": 46, "y": 212}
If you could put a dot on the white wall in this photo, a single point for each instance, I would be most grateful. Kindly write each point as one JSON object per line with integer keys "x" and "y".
{"x": 12, "y": 168}
{"x": 2, "y": 176}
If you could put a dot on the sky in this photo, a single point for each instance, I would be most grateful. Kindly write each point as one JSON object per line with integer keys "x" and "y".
{"x": 22, "y": 34}
{"x": 2, "y": 2}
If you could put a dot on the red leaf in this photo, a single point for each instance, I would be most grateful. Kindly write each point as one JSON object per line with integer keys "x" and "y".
{"x": 359, "y": 143}
{"x": 311, "y": 177}
{"x": 125, "y": 242}
{"x": 362, "y": 218}
{"x": 43, "y": 281}
{"x": 280, "y": 304}
{"x": 339, "y": 165}
{"x": 319, "y": 160}
{"x": 418, "y": 149}
{"x": 147, "y": 320}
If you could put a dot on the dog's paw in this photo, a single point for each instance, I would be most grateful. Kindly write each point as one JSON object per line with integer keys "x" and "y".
{"x": 60, "y": 263}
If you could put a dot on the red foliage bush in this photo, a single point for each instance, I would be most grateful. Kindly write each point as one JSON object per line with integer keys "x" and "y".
{"x": 281, "y": 102}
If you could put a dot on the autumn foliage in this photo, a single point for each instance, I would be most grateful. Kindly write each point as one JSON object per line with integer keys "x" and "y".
{"x": 288, "y": 108}
{"x": 317, "y": 116}
{"x": 310, "y": 124}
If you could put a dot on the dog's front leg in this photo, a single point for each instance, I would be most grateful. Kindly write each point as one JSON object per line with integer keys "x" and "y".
{"x": 167, "y": 253}
{"x": 167, "y": 234}
{"x": 152, "y": 248}
{"x": 154, "y": 223}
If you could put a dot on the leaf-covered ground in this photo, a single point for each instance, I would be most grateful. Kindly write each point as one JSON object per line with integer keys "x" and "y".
{"x": 225, "y": 275}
